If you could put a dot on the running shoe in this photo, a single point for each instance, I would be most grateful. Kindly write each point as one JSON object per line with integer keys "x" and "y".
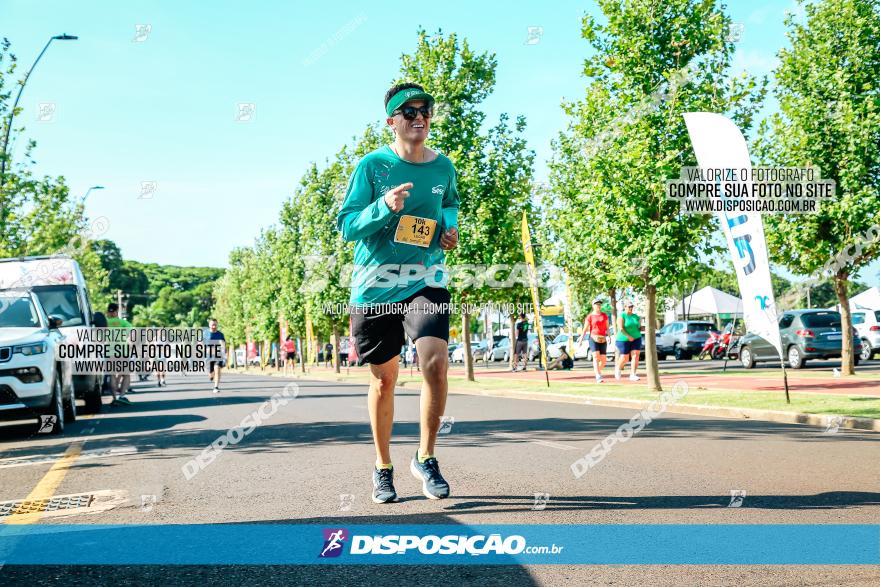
{"x": 634, "y": 377}
{"x": 617, "y": 374}
{"x": 434, "y": 486}
{"x": 383, "y": 486}
{"x": 599, "y": 379}
{"x": 216, "y": 389}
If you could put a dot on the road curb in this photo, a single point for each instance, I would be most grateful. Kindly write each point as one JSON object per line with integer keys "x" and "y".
{"x": 826, "y": 421}
{"x": 821, "y": 420}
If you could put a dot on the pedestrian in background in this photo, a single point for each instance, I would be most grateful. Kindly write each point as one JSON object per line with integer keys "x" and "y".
{"x": 215, "y": 337}
{"x": 629, "y": 341}
{"x": 121, "y": 379}
{"x": 596, "y": 327}
{"x": 522, "y": 342}
{"x": 328, "y": 355}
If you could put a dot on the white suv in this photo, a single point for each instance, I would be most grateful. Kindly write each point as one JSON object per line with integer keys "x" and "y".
{"x": 867, "y": 323}
{"x": 33, "y": 384}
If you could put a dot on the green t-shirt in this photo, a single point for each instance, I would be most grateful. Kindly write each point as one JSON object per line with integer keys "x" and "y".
{"x": 630, "y": 326}
{"x": 118, "y": 323}
{"x": 381, "y": 234}
{"x": 117, "y": 348}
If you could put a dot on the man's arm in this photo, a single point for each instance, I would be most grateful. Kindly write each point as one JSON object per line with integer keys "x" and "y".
{"x": 360, "y": 216}
{"x": 451, "y": 202}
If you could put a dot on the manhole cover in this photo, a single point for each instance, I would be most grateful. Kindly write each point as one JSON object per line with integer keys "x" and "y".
{"x": 61, "y": 502}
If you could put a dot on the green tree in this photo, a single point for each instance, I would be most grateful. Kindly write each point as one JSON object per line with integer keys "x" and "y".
{"x": 652, "y": 62}
{"x": 828, "y": 86}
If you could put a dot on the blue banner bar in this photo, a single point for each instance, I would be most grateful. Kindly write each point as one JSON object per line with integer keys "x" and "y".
{"x": 308, "y": 544}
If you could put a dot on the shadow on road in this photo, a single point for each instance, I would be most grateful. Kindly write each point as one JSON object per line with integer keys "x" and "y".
{"x": 507, "y": 503}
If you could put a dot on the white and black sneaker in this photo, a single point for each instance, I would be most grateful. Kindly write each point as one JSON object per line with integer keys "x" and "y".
{"x": 383, "y": 486}
{"x": 434, "y": 486}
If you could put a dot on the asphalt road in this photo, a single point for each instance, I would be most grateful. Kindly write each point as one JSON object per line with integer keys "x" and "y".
{"x": 296, "y": 467}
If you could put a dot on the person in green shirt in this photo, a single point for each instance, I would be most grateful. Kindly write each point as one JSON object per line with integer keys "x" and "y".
{"x": 629, "y": 341}
{"x": 401, "y": 210}
{"x": 120, "y": 380}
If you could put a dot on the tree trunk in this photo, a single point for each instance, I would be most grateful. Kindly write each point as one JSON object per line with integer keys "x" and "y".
{"x": 652, "y": 367}
{"x": 301, "y": 355}
{"x": 513, "y": 341}
{"x": 336, "y": 347}
{"x": 846, "y": 327}
{"x": 468, "y": 357}
{"x": 612, "y": 293}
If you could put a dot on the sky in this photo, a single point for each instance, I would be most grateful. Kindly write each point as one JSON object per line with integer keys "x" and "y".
{"x": 151, "y": 102}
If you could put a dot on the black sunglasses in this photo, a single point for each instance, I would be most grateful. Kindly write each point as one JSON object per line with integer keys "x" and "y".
{"x": 410, "y": 112}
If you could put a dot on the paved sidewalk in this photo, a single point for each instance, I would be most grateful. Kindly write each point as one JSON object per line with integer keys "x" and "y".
{"x": 715, "y": 381}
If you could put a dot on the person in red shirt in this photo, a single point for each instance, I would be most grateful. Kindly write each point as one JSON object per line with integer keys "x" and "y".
{"x": 289, "y": 354}
{"x": 596, "y": 327}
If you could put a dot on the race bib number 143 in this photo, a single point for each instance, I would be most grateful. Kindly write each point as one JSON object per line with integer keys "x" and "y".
{"x": 413, "y": 230}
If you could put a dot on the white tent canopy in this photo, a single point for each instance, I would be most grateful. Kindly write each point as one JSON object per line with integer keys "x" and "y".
{"x": 867, "y": 300}
{"x": 707, "y": 301}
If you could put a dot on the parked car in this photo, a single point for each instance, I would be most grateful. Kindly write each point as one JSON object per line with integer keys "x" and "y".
{"x": 867, "y": 324}
{"x": 478, "y": 350}
{"x": 32, "y": 381}
{"x": 581, "y": 349}
{"x": 805, "y": 334}
{"x": 452, "y": 348}
{"x": 501, "y": 350}
{"x": 682, "y": 338}
{"x": 61, "y": 288}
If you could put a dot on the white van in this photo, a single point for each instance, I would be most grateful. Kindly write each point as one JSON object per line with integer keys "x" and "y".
{"x": 61, "y": 288}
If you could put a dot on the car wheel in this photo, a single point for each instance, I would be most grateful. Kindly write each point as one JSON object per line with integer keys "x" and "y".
{"x": 506, "y": 358}
{"x": 93, "y": 397}
{"x": 866, "y": 352}
{"x": 56, "y": 408}
{"x": 678, "y": 353}
{"x": 746, "y": 358}
{"x": 795, "y": 358}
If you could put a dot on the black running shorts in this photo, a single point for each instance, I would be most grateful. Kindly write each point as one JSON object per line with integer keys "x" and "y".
{"x": 379, "y": 330}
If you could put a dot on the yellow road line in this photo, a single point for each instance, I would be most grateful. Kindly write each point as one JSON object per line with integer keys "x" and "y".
{"x": 47, "y": 486}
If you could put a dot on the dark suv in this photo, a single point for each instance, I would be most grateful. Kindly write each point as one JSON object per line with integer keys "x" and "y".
{"x": 805, "y": 334}
{"x": 683, "y": 338}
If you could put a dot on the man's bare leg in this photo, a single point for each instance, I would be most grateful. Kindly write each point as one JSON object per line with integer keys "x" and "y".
{"x": 434, "y": 360}
{"x": 380, "y": 402}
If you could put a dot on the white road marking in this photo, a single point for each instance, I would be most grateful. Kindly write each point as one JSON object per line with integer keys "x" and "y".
{"x": 547, "y": 443}
{"x": 88, "y": 454}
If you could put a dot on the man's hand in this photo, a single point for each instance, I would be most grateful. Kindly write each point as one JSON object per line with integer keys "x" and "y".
{"x": 449, "y": 239}
{"x": 394, "y": 197}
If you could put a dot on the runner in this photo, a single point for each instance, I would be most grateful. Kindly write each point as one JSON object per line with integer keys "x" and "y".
{"x": 120, "y": 381}
{"x": 160, "y": 360}
{"x": 596, "y": 327}
{"x": 629, "y": 341}
{"x": 401, "y": 208}
{"x": 216, "y": 337}
{"x": 289, "y": 354}
{"x": 522, "y": 343}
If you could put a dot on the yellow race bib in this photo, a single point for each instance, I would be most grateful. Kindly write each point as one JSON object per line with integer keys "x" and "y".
{"x": 414, "y": 230}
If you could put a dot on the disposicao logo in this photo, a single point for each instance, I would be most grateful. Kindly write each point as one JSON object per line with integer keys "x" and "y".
{"x": 334, "y": 540}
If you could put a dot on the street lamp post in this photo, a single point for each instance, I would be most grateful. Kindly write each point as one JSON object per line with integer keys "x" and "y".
{"x": 88, "y": 191}
{"x": 64, "y": 37}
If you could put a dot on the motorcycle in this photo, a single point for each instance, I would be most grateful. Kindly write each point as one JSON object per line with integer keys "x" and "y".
{"x": 717, "y": 345}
